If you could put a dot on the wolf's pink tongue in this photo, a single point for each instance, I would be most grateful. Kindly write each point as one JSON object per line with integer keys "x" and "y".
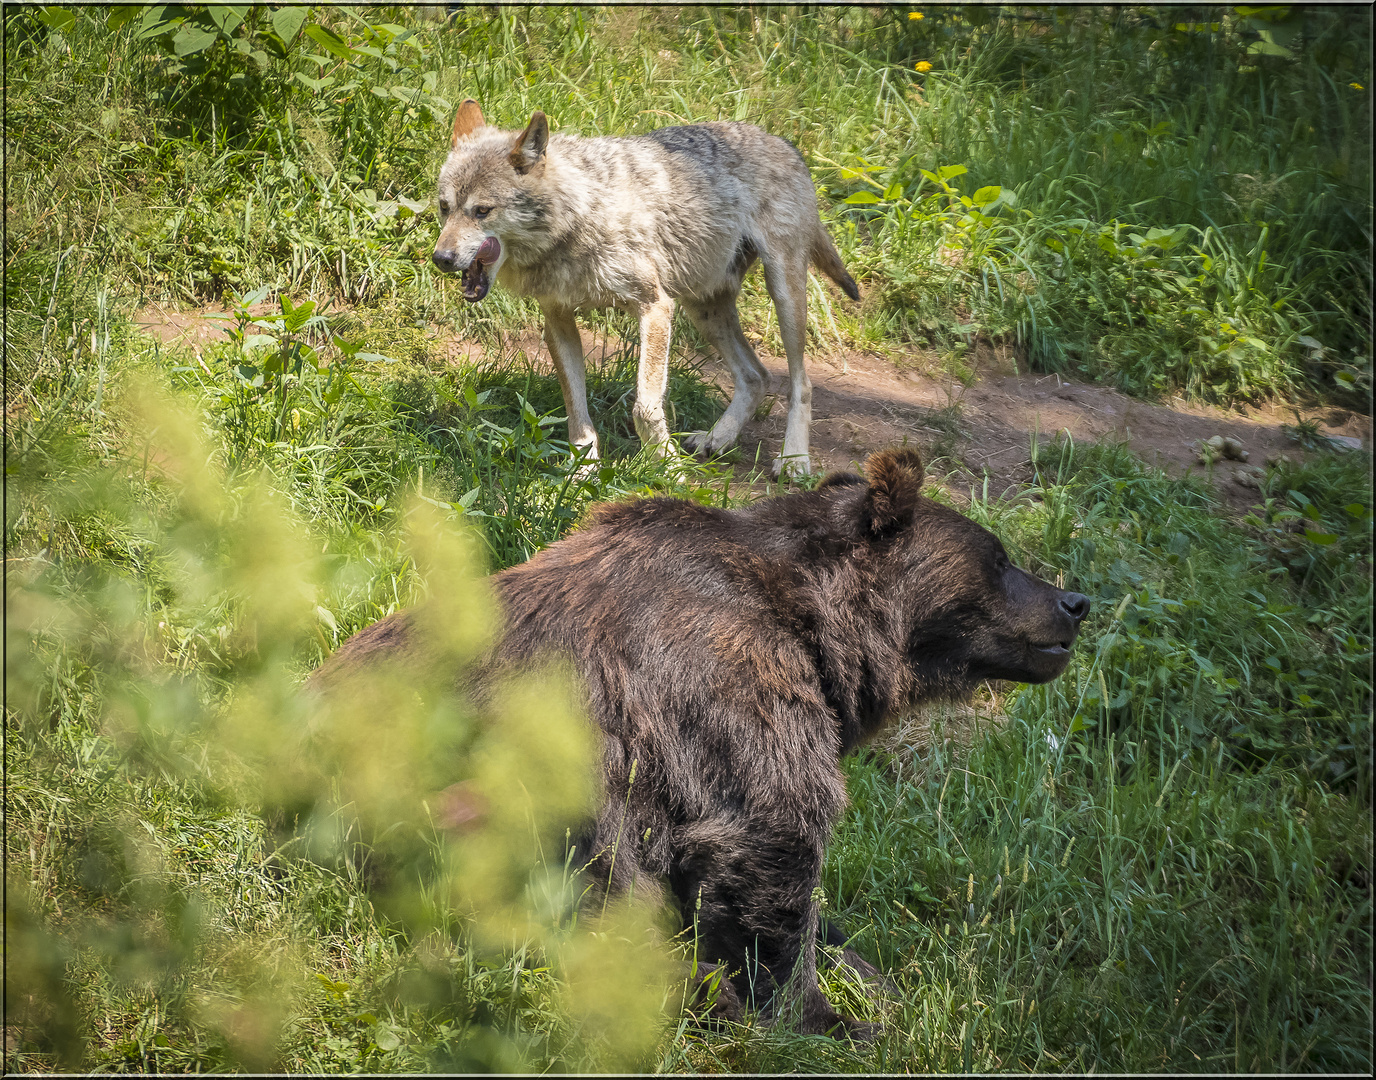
{"x": 490, "y": 252}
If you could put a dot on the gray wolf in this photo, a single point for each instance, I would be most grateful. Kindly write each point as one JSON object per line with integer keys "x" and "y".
{"x": 736, "y": 655}
{"x": 644, "y": 224}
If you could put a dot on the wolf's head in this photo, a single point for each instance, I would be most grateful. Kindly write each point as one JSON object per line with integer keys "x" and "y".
{"x": 488, "y": 198}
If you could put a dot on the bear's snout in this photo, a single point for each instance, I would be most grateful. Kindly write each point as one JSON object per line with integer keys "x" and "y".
{"x": 1076, "y": 606}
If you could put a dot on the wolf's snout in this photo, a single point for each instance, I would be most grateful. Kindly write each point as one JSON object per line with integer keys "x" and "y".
{"x": 446, "y": 259}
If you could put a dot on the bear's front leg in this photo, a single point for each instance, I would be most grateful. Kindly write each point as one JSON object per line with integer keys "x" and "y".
{"x": 752, "y": 900}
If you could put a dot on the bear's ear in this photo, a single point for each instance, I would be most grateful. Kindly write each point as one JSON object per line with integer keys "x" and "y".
{"x": 895, "y": 478}
{"x": 530, "y": 145}
{"x": 467, "y": 120}
{"x": 839, "y": 479}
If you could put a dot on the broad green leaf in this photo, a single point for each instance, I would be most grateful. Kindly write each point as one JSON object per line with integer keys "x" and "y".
{"x": 947, "y": 172}
{"x": 329, "y": 41}
{"x": 298, "y": 316}
{"x": 1268, "y": 45}
{"x": 1321, "y": 539}
{"x": 894, "y": 191}
{"x": 120, "y": 15}
{"x": 153, "y": 22}
{"x": 314, "y": 84}
{"x": 386, "y": 1038}
{"x": 862, "y": 198}
{"x": 57, "y": 18}
{"x": 348, "y": 348}
{"x": 227, "y": 16}
{"x": 192, "y": 39}
{"x": 287, "y": 22}
{"x": 986, "y": 195}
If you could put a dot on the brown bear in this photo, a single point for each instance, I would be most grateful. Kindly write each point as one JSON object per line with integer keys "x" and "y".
{"x": 735, "y": 656}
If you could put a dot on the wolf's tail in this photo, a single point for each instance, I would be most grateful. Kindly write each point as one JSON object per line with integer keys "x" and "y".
{"x": 826, "y": 259}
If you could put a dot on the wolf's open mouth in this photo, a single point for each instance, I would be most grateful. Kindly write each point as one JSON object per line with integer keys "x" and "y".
{"x": 475, "y": 282}
{"x": 475, "y": 279}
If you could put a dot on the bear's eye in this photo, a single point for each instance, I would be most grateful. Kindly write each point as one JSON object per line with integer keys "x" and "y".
{"x": 444, "y": 208}
{"x": 481, "y": 212}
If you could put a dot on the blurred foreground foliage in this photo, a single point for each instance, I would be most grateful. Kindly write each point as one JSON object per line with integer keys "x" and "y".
{"x": 205, "y": 812}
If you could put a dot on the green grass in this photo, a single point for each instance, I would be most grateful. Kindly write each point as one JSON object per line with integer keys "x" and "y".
{"x": 1162, "y": 861}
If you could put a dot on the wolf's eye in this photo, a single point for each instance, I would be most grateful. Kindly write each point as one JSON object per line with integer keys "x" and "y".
{"x": 481, "y": 212}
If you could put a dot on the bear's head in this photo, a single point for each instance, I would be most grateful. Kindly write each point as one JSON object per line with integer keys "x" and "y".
{"x": 967, "y": 613}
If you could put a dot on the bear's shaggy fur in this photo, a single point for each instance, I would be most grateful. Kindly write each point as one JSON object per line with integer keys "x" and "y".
{"x": 734, "y": 656}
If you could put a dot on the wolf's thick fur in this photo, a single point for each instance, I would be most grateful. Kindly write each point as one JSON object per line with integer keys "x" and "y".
{"x": 733, "y": 657}
{"x": 642, "y": 223}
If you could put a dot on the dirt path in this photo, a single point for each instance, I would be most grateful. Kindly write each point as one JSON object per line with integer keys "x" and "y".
{"x": 864, "y": 402}
{"x": 861, "y": 403}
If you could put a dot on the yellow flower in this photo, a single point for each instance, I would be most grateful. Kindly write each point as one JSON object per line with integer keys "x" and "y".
{"x": 923, "y": 65}
{"x": 913, "y": 16}
{"x": 1356, "y": 86}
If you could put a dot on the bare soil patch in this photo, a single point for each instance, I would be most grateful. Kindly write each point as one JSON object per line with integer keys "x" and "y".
{"x": 863, "y": 402}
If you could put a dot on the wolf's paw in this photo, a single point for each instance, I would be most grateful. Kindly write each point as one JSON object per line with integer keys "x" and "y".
{"x": 791, "y": 468}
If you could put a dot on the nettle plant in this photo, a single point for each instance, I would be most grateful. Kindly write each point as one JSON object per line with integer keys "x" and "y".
{"x": 343, "y": 63}
{"x": 277, "y": 369}
{"x": 1157, "y": 308}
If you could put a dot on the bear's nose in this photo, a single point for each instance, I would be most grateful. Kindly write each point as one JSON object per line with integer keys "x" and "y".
{"x": 1076, "y": 605}
{"x": 444, "y": 259}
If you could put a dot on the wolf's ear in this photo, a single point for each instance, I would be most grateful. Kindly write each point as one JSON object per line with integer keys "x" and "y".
{"x": 530, "y": 145}
{"x": 466, "y": 121}
{"x": 895, "y": 478}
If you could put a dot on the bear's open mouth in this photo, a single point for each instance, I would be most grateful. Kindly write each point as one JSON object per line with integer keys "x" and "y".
{"x": 475, "y": 279}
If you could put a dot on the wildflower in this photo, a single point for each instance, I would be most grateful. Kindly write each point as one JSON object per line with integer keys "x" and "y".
{"x": 1354, "y": 85}
{"x": 296, "y": 419}
{"x": 915, "y": 16}
{"x": 923, "y": 65}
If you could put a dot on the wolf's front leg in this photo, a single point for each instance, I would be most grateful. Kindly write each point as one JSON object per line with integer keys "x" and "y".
{"x": 566, "y": 347}
{"x": 652, "y": 381}
{"x": 785, "y": 276}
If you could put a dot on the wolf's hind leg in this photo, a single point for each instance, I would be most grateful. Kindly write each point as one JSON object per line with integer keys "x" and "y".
{"x": 718, "y": 321}
{"x": 561, "y": 337}
{"x": 785, "y": 276}
{"x": 652, "y": 380}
